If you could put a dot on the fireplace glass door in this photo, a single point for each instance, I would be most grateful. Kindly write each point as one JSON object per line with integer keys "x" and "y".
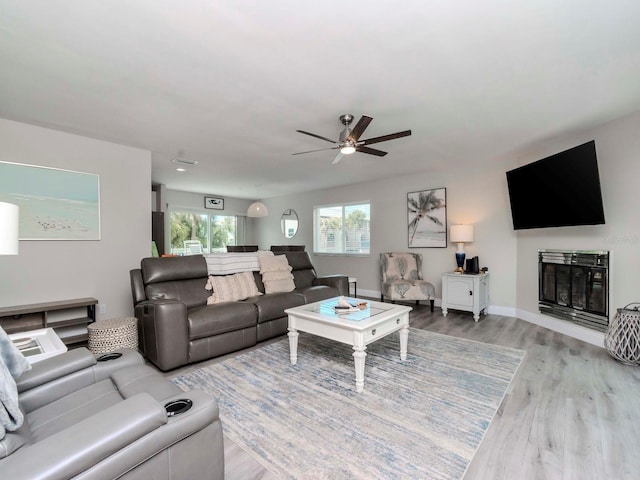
{"x": 575, "y": 286}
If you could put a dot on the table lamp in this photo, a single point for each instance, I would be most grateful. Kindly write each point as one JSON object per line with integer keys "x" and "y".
{"x": 9, "y": 228}
{"x": 461, "y": 234}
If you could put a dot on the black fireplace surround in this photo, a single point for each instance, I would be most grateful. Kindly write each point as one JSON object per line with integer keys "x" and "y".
{"x": 573, "y": 285}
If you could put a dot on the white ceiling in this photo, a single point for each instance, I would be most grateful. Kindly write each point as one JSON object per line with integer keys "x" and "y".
{"x": 227, "y": 83}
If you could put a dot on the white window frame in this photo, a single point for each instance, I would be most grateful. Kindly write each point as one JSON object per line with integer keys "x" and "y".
{"x": 319, "y": 243}
{"x": 240, "y": 228}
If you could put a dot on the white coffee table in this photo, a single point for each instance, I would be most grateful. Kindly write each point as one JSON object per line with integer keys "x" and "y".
{"x": 358, "y": 329}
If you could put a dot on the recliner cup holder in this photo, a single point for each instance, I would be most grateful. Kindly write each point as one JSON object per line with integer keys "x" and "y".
{"x": 109, "y": 356}
{"x": 177, "y": 407}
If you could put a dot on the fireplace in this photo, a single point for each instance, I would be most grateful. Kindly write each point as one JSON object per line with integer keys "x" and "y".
{"x": 573, "y": 285}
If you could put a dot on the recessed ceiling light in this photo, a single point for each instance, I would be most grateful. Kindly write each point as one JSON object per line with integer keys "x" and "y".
{"x": 180, "y": 169}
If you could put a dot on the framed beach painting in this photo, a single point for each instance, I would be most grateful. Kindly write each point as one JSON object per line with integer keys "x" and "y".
{"x": 55, "y": 204}
{"x": 427, "y": 218}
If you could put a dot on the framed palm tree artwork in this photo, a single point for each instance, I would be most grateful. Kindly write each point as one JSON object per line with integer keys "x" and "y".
{"x": 427, "y": 218}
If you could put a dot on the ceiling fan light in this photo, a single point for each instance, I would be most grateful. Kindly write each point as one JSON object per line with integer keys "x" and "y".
{"x": 347, "y": 150}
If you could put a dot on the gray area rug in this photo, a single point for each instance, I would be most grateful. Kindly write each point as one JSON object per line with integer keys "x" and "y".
{"x": 422, "y": 418}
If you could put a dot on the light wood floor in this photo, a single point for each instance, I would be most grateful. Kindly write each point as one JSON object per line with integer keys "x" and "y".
{"x": 572, "y": 411}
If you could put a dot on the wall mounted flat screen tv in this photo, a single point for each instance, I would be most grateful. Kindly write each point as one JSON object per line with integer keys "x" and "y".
{"x": 557, "y": 191}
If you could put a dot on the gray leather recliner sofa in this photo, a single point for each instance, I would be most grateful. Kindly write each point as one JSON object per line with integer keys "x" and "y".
{"x": 119, "y": 418}
{"x": 177, "y": 327}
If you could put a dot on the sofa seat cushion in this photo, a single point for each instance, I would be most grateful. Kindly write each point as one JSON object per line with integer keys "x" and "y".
{"x": 71, "y": 409}
{"x": 86, "y": 402}
{"x": 273, "y": 305}
{"x": 220, "y": 318}
{"x": 317, "y": 293}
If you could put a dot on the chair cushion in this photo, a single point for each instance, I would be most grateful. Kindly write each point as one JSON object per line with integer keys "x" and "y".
{"x": 71, "y": 409}
{"x": 406, "y": 290}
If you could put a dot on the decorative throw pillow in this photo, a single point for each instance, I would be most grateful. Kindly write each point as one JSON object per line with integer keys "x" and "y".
{"x": 276, "y": 273}
{"x": 273, "y": 263}
{"x": 231, "y": 288}
{"x": 279, "y": 275}
{"x": 276, "y": 286}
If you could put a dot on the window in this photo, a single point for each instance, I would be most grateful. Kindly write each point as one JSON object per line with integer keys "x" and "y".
{"x": 342, "y": 229}
{"x": 214, "y": 232}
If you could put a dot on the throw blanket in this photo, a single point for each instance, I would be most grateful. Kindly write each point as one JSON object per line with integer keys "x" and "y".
{"x": 12, "y": 365}
{"x": 232, "y": 262}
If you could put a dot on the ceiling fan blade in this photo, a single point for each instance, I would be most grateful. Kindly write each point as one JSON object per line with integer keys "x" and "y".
{"x": 317, "y": 136}
{"x": 384, "y": 138}
{"x": 338, "y": 158}
{"x": 360, "y": 127}
{"x": 371, "y": 151}
{"x": 319, "y": 150}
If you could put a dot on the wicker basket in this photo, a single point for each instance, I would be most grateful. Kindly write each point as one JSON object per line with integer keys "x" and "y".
{"x": 108, "y": 335}
{"x": 622, "y": 339}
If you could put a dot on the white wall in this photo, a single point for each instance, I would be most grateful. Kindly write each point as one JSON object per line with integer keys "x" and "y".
{"x": 61, "y": 270}
{"x": 478, "y": 197}
{"x": 618, "y": 150}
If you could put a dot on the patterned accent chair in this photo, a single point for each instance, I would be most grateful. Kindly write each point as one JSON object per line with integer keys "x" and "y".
{"x": 401, "y": 275}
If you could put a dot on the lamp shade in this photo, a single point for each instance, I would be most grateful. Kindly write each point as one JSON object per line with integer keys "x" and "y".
{"x": 257, "y": 209}
{"x": 461, "y": 233}
{"x": 9, "y": 228}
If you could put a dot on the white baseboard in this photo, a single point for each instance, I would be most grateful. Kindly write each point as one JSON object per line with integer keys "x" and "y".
{"x": 561, "y": 326}
{"x": 565, "y": 327}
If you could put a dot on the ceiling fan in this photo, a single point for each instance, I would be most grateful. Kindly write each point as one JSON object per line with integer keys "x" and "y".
{"x": 349, "y": 141}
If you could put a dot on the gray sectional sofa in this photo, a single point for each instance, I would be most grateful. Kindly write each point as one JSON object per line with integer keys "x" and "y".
{"x": 177, "y": 327}
{"x": 110, "y": 417}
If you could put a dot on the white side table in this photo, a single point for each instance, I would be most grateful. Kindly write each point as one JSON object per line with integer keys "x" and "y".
{"x": 467, "y": 292}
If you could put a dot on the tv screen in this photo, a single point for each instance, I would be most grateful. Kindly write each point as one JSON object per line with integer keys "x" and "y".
{"x": 557, "y": 191}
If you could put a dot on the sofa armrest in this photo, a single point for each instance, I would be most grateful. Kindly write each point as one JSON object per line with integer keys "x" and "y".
{"x": 56, "y": 367}
{"x": 163, "y": 332}
{"x": 80, "y": 447}
{"x": 341, "y": 282}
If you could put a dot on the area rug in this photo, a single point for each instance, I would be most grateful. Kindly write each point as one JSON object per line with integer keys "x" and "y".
{"x": 422, "y": 418}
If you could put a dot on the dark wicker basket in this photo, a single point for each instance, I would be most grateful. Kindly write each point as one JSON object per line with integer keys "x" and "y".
{"x": 622, "y": 339}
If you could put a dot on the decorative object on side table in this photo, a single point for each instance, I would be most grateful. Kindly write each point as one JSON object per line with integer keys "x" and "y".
{"x": 622, "y": 339}
{"x": 427, "y": 218}
{"x": 461, "y": 234}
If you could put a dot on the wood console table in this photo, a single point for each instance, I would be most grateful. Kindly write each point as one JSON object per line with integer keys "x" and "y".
{"x": 69, "y": 318}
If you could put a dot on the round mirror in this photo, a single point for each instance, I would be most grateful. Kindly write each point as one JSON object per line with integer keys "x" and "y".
{"x": 289, "y": 223}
